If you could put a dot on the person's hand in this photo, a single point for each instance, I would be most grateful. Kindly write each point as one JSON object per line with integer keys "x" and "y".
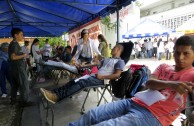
{"x": 98, "y": 76}
{"x": 25, "y": 54}
{"x": 78, "y": 65}
{"x": 183, "y": 87}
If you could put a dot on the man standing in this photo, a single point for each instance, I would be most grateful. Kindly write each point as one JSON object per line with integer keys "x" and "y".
{"x": 17, "y": 69}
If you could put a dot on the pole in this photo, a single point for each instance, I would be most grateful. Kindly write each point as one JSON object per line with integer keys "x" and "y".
{"x": 117, "y": 10}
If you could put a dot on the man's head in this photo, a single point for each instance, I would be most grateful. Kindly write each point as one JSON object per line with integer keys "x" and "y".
{"x": 17, "y": 34}
{"x": 68, "y": 49}
{"x": 26, "y": 43}
{"x": 184, "y": 52}
{"x": 60, "y": 50}
{"x": 117, "y": 50}
{"x": 4, "y": 47}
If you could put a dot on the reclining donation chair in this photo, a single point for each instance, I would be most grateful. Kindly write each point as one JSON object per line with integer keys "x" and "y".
{"x": 128, "y": 46}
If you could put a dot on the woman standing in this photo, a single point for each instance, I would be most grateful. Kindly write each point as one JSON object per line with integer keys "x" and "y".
{"x": 86, "y": 48}
{"x": 103, "y": 47}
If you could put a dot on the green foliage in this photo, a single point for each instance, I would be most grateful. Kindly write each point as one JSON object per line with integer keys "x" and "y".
{"x": 107, "y": 21}
{"x": 52, "y": 41}
{"x": 137, "y": 3}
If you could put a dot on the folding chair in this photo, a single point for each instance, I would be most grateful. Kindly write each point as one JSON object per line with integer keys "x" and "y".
{"x": 106, "y": 87}
{"x": 128, "y": 46}
{"x": 60, "y": 69}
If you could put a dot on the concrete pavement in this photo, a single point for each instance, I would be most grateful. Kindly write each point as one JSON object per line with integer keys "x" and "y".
{"x": 66, "y": 111}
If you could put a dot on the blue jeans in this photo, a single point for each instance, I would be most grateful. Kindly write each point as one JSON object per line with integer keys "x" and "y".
{"x": 120, "y": 113}
{"x": 4, "y": 74}
{"x": 72, "y": 87}
{"x": 150, "y": 53}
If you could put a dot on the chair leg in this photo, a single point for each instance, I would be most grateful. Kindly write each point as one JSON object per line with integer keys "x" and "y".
{"x": 102, "y": 95}
{"x": 83, "y": 105}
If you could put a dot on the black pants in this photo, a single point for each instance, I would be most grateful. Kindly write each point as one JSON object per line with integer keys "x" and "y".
{"x": 84, "y": 59}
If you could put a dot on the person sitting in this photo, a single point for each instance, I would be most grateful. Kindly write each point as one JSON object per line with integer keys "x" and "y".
{"x": 162, "y": 103}
{"x": 66, "y": 57}
{"x": 111, "y": 68}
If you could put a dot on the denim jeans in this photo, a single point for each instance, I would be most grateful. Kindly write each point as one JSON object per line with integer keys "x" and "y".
{"x": 4, "y": 74}
{"x": 72, "y": 87}
{"x": 120, "y": 113}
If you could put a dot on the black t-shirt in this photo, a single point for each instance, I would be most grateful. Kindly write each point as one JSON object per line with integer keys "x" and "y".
{"x": 14, "y": 47}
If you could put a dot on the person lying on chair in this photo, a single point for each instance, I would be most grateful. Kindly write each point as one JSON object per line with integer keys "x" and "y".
{"x": 161, "y": 104}
{"x": 111, "y": 68}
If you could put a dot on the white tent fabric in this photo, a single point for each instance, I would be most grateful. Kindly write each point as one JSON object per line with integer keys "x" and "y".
{"x": 187, "y": 27}
{"x": 147, "y": 28}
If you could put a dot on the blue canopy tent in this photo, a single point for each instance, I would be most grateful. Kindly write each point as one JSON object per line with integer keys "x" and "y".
{"x": 52, "y": 17}
{"x": 147, "y": 28}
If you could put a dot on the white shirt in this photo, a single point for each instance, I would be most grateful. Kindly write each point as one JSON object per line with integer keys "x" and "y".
{"x": 26, "y": 51}
{"x": 36, "y": 49}
{"x": 47, "y": 48}
{"x": 149, "y": 46}
{"x": 171, "y": 46}
{"x": 108, "y": 66}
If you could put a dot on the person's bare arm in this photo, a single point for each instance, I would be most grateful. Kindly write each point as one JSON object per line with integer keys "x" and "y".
{"x": 17, "y": 57}
{"x": 180, "y": 87}
{"x": 113, "y": 76}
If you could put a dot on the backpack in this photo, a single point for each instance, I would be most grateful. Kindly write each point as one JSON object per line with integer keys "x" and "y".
{"x": 120, "y": 85}
{"x": 140, "y": 76}
{"x": 130, "y": 81}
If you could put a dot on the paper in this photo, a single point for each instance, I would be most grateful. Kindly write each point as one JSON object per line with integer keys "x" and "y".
{"x": 150, "y": 97}
{"x": 83, "y": 77}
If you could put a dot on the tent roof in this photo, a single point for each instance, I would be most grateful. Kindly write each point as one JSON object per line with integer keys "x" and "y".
{"x": 147, "y": 28}
{"x": 51, "y": 17}
{"x": 187, "y": 27}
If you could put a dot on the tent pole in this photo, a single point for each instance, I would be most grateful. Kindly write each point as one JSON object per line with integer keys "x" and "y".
{"x": 117, "y": 10}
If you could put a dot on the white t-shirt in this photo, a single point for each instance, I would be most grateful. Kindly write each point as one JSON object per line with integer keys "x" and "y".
{"x": 47, "y": 48}
{"x": 26, "y": 51}
{"x": 36, "y": 49}
{"x": 110, "y": 65}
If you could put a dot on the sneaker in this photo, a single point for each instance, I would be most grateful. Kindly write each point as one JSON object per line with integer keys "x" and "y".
{"x": 4, "y": 96}
{"x": 41, "y": 80}
{"x": 50, "y": 96}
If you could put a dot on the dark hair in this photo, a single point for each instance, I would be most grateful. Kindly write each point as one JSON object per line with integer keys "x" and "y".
{"x": 83, "y": 32}
{"x": 160, "y": 40}
{"x": 185, "y": 40}
{"x": 15, "y": 31}
{"x": 102, "y": 38}
{"x": 61, "y": 48}
{"x": 26, "y": 42}
{"x": 35, "y": 41}
{"x": 68, "y": 47}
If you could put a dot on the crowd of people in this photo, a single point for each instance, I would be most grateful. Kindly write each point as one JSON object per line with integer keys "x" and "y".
{"x": 156, "y": 48}
{"x": 19, "y": 60}
{"x": 159, "y": 105}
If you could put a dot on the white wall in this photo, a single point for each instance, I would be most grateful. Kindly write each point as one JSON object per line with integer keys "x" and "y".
{"x": 131, "y": 19}
{"x": 184, "y": 10}
{"x": 165, "y": 7}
